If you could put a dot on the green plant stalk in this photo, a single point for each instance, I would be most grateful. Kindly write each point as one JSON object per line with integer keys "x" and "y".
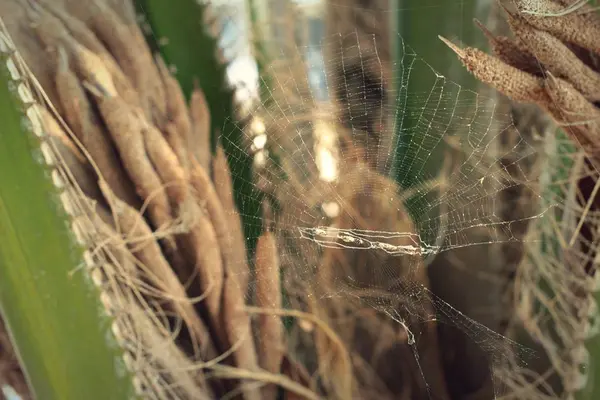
{"x": 193, "y": 50}
{"x": 57, "y": 324}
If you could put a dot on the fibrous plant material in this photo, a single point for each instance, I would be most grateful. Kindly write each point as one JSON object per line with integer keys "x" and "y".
{"x": 163, "y": 229}
{"x": 556, "y": 280}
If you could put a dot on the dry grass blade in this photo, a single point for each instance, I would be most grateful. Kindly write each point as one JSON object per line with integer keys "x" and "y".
{"x": 268, "y": 295}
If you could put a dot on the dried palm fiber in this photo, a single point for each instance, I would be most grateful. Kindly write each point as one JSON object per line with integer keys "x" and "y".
{"x": 88, "y": 86}
{"x": 558, "y": 318}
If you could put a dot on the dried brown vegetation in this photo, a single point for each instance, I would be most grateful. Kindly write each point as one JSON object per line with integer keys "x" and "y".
{"x": 161, "y": 209}
{"x": 551, "y": 61}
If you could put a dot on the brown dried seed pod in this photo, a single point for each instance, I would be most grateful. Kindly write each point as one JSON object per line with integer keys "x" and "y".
{"x": 224, "y": 189}
{"x": 206, "y": 194}
{"x": 557, "y": 57}
{"x": 200, "y": 242}
{"x": 53, "y": 128}
{"x": 200, "y": 115}
{"x": 510, "y": 52}
{"x": 582, "y": 29}
{"x": 71, "y": 158}
{"x": 167, "y": 165}
{"x": 80, "y": 117}
{"x": 140, "y": 239}
{"x": 512, "y": 82}
{"x": 177, "y": 111}
{"x": 71, "y": 95}
{"x": 201, "y": 246}
{"x": 268, "y": 295}
{"x": 133, "y": 56}
{"x": 125, "y": 127}
{"x": 177, "y": 144}
{"x": 236, "y": 323}
{"x": 82, "y": 34}
{"x": 579, "y": 118}
{"x": 51, "y": 31}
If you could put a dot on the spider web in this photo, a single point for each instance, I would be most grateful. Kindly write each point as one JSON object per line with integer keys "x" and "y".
{"x": 434, "y": 162}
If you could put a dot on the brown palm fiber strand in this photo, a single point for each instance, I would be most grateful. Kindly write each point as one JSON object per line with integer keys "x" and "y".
{"x": 578, "y": 28}
{"x": 140, "y": 239}
{"x": 510, "y": 52}
{"x": 224, "y": 188}
{"x": 200, "y": 115}
{"x": 268, "y": 295}
{"x": 557, "y": 57}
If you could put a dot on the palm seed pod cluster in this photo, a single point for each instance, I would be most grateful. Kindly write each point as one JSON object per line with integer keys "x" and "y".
{"x": 165, "y": 242}
{"x": 551, "y": 61}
